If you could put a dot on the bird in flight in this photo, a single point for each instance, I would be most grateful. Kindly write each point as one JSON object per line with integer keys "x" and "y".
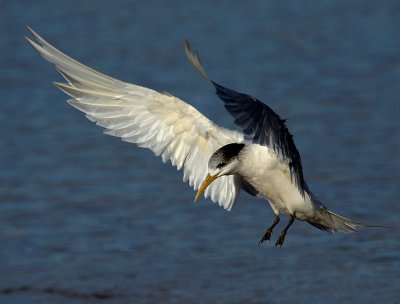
{"x": 261, "y": 160}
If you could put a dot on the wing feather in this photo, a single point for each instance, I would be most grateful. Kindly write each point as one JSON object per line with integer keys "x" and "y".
{"x": 162, "y": 123}
{"x": 258, "y": 121}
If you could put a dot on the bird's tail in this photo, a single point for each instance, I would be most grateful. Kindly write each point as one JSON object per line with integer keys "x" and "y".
{"x": 332, "y": 222}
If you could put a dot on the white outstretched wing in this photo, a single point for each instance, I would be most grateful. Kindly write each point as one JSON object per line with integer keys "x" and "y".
{"x": 163, "y": 123}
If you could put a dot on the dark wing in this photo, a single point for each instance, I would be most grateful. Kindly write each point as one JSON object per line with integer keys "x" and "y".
{"x": 248, "y": 188}
{"x": 258, "y": 121}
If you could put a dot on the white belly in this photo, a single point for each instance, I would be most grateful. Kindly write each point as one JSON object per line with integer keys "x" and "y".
{"x": 270, "y": 176}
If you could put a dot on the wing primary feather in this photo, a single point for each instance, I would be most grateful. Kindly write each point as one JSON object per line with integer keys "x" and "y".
{"x": 258, "y": 121}
{"x": 168, "y": 126}
{"x": 194, "y": 60}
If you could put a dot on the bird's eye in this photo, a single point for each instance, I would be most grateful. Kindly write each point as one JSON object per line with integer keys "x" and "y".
{"x": 220, "y": 165}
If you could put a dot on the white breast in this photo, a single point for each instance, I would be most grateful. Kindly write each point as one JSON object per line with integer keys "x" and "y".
{"x": 270, "y": 176}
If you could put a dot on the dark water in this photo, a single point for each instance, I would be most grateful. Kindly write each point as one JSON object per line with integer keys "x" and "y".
{"x": 85, "y": 218}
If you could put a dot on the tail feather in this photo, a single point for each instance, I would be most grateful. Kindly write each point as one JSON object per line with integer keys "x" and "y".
{"x": 332, "y": 222}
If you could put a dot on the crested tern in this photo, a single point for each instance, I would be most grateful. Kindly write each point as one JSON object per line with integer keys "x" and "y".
{"x": 261, "y": 159}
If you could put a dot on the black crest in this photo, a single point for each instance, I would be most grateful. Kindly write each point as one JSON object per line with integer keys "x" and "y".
{"x": 230, "y": 150}
{"x": 224, "y": 154}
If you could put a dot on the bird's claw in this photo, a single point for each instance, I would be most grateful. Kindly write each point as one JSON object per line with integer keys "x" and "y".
{"x": 266, "y": 237}
{"x": 280, "y": 240}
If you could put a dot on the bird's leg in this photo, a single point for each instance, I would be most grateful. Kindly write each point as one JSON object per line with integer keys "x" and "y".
{"x": 268, "y": 233}
{"x": 282, "y": 236}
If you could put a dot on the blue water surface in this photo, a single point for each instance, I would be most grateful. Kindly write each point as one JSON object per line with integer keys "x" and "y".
{"x": 86, "y": 218}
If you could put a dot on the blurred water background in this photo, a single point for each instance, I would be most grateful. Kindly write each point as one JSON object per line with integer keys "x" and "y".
{"x": 86, "y": 218}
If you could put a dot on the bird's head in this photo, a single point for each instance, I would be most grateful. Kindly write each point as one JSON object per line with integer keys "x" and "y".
{"x": 223, "y": 162}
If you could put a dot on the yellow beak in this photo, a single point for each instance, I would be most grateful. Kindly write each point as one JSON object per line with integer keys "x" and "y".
{"x": 209, "y": 179}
